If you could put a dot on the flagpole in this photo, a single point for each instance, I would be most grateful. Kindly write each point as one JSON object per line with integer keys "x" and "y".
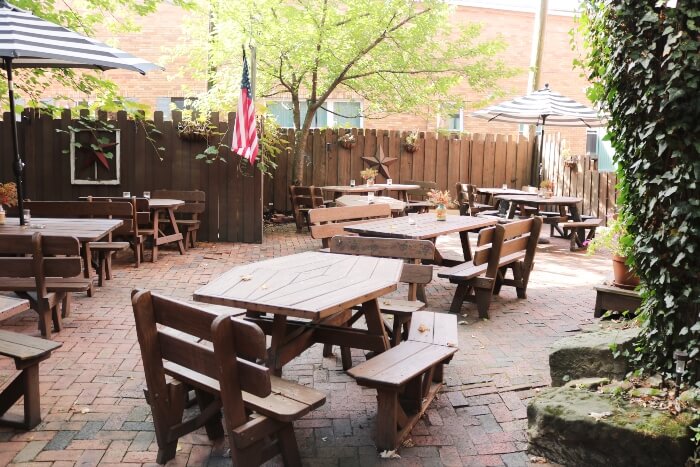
{"x": 253, "y": 79}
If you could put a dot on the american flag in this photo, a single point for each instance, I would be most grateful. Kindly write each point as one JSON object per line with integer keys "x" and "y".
{"x": 245, "y": 134}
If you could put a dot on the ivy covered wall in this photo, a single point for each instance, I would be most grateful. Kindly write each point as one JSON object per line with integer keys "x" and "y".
{"x": 644, "y": 61}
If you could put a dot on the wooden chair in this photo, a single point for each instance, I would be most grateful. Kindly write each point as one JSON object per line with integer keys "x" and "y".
{"x": 407, "y": 377}
{"x": 329, "y": 222}
{"x": 215, "y": 355}
{"x": 415, "y": 274}
{"x": 418, "y": 199}
{"x": 187, "y": 215}
{"x": 499, "y": 248}
{"x": 305, "y": 198}
{"x": 45, "y": 270}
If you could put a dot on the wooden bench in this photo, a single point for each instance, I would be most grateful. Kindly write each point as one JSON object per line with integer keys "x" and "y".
{"x": 187, "y": 215}
{"x": 610, "y": 298}
{"x": 215, "y": 354}
{"x": 573, "y": 229}
{"x": 499, "y": 248}
{"x": 46, "y": 276}
{"x": 415, "y": 274}
{"x": 329, "y": 222}
{"x": 468, "y": 205}
{"x": 27, "y": 352}
{"x": 407, "y": 377}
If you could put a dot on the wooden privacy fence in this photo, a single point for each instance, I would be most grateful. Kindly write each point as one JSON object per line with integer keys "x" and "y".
{"x": 234, "y": 201}
{"x": 582, "y": 179}
{"x": 485, "y": 160}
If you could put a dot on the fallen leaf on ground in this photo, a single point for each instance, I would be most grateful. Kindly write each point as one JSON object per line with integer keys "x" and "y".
{"x": 246, "y": 277}
{"x": 85, "y": 410}
{"x": 451, "y": 344}
{"x": 599, "y": 415}
{"x": 389, "y": 454}
{"x": 423, "y": 328}
{"x": 408, "y": 443}
{"x": 538, "y": 460}
{"x": 463, "y": 323}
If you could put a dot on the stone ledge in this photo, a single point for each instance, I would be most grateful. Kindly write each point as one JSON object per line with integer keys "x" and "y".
{"x": 561, "y": 429}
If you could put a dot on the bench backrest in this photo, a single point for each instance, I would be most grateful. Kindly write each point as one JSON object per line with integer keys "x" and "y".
{"x": 194, "y": 201}
{"x": 413, "y": 251}
{"x": 420, "y": 194}
{"x": 103, "y": 209}
{"x": 176, "y": 338}
{"x": 462, "y": 197}
{"x": 496, "y": 244}
{"x": 329, "y": 222}
{"x": 44, "y": 256}
{"x": 309, "y": 197}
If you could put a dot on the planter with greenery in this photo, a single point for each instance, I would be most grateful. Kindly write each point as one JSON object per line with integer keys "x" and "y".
{"x": 347, "y": 141}
{"x": 614, "y": 239}
{"x": 409, "y": 142}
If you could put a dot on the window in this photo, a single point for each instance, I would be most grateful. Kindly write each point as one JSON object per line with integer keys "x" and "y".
{"x": 598, "y": 148}
{"x": 349, "y": 114}
{"x": 455, "y": 122}
{"x": 167, "y": 104}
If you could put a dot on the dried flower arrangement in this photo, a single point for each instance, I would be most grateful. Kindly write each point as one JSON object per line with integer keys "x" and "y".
{"x": 440, "y": 197}
{"x": 8, "y": 194}
{"x": 409, "y": 142}
{"x": 369, "y": 173}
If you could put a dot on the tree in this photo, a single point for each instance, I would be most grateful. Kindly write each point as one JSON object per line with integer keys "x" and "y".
{"x": 397, "y": 55}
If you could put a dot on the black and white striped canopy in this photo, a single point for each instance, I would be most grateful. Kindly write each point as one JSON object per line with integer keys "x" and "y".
{"x": 32, "y": 42}
{"x": 542, "y": 107}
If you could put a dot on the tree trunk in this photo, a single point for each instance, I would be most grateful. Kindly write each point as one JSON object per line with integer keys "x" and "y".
{"x": 299, "y": 156}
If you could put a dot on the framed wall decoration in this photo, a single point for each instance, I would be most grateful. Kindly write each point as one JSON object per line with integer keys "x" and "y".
{"x": 95, "y": 156}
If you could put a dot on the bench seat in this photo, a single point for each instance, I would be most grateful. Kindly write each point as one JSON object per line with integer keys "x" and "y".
{"x": 104, "y": 251}
{"x": 27, "y": 352}
{"x": 468, "y": 270}
{"x": 53, "y": 284}
{"x": 572, "y": 229}
{"x": 408, "y": 377}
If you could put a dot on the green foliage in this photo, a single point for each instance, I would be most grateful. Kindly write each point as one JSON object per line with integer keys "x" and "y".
{"x": 643, "y": 60}
{"x": 397, "y": 55}
{"x": 613, "y": 239}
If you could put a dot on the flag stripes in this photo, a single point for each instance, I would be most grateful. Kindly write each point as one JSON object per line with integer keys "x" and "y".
{"x": 245, "y": 133}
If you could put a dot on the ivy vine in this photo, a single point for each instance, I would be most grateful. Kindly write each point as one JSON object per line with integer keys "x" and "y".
{"x": 645, "y": 69}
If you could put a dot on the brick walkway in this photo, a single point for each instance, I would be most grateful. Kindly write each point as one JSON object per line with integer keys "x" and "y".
{"x": 94, "y": 411}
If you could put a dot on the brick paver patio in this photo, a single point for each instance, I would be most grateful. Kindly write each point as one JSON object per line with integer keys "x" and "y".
{"x": 94, "y": 411}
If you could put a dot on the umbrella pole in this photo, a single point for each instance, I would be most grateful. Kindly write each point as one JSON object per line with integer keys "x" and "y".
{"x": 538, "y": 161}
{"x": 18, "y": 165}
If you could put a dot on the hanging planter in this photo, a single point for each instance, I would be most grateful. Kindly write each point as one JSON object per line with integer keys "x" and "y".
{"x": 409, "y": 142}
{"x": 347, "y": 141}
{"x": 189, "y": 130}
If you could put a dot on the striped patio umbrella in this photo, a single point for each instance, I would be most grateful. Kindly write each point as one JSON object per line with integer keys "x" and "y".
{"x": 542, "y": 107}
{"x": 27, "y": 41}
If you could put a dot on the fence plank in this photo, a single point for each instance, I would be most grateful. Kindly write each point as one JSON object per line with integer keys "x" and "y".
{"x": 464, "y": 158}
{"x": 453, "y": 166}
{"x": 523, "y": 160}
{"x": 489, "y": 160}
{"x": 477, "y": 169}
{"x": 419, "y": 158}
{"x": 499, "y": 171}
{"x": 441, "y": 162}
{"x": 430, "y": 157}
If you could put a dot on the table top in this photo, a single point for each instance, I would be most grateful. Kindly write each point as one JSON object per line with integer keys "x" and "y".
{"x": 85, "y": 230}
{"x": 527, "y": 199}
{"x": 162, "y": 203}
{"x": 310, "y": 285}
{"x": 426, "y": 226}
{"x": 397, "y": 187}
{"x": 374, "y": 188}
{"x": 505, "y": 191}
{"x": 12, "y": 305}
{"x": 359, "y": 200}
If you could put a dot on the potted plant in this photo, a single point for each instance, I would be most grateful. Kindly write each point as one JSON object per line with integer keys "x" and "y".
{"x": 441, "y": 199}
{"x": 546, "y": 188}
{"x": 8, "y": 197}
{"x": 368, "y": 175}
{"x": 347, "y": 141}
{"x": 192, "y": 130}
{"x": 409, "y": 142}
{"x": 614, "y": 240}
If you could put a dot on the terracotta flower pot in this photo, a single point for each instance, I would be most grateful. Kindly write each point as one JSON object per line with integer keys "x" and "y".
{"x": 623, "y": 276}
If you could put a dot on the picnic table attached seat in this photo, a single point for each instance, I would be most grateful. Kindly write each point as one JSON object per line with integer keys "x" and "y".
{"x": 27, "y": 351}
{"x": 418, "y": 198}
{"x": 329, "y": 222}
{"x": 499, "y": 248}
{"x": 571, "y": 231}
{"x": 305, "y": 198}
{"x": 48, "y": 274}
{"x": 407, "y": 377}
{"x": 187, "y": 215}
{"x": 215, "y": 354}
{"x": 415, "y": 274}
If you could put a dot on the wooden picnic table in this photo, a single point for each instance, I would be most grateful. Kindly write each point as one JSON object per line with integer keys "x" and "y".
{"x": 403, "y": 189}
{"x": 167, "y": 207}
{"x": 427, "y": 227}
{"x": 563, "y": 202}
{"x": 85, "y": 230}
{"x": 397, "y": 206}
{"x": 321, "y": 288}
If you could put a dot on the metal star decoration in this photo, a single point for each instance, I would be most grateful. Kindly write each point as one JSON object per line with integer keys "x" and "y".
{"x": 381, "y": 161}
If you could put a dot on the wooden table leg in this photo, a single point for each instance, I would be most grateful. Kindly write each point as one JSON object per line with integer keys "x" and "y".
{"x": 511, "y": 209}
{"x": 279, "y": 330}
{"x": 576, "y": 216}
{"x": 87, "y": 271}
{"x": 466, "y": 249}
{"x": 154, "y": 254}
{"x": 173, "y": 222}
{"x": 375, "y": 324}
